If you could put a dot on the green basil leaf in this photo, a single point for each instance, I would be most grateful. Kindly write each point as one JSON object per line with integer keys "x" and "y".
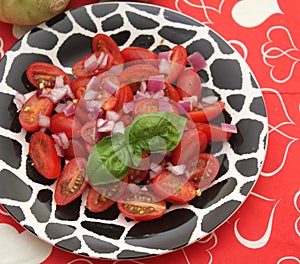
{"x": 109, "y": 160}
{"x": 156, "y": 132}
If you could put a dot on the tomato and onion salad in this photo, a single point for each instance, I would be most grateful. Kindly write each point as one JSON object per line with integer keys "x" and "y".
{"x": 150, "y": 97}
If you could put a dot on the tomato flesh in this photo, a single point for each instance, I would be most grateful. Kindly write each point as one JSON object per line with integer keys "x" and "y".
{"x": 33, "y": 107}
{"x": 43, "y": 155}
{"x": 203, "y": 171}
{"x": 173, "y": 188}
{"x": 138, "y": 174}
{"x": 143, "y": 206}
{"x": 123, "y": 95}
{"x": 213, "y": 132}
{"x": 72, "y": 182}
{"x": 138, "y": 54}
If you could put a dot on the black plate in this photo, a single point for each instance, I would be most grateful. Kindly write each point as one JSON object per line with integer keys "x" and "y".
{"x": 62, "y": 41}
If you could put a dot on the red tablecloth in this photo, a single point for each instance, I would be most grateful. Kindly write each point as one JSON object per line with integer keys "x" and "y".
{"x": 266, "y": 228}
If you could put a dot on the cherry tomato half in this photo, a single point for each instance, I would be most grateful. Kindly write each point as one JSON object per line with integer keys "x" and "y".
{"x": 33, "y": 107}
{"x": 192, "y": 143}
{"x": 189, "y": 84}
{"x": 207, "y": 112}
{"x": 72, "y": 182}
{"x": 143, "y": 206}
{"x": 204, "y": 170}
{"x": 147, "y": 105}
{"x": 75, "y": 149}
{"x": 43, "y": 75}
{"x": 178, "y": 62}
{"x": 171, "y": 92}
{"x": 79, "y": 69}
{"x": 78, "y": 86}
{"x": 213, "y": 132}
{"x": 43, "y": 155}
{"x": 70, "y": 125}
{"x": 131, "y": 54}
{"x": 104, "y": 196}
{"x": 173, "y": 188}
{"x": 105, "y": 43}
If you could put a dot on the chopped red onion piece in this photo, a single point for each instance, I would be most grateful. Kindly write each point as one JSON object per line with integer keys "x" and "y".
{"x": 155, "y": 167}
{"x": 112, "y": 115}
{"x": 104, "y": 125}
{"x": 102, "y": 60}
{"x": 110, "y": 86}
{"x": 229, "y": 127}
{"x": 143, "y": 86}
{"x": 70, "y": 108}
{"x": 139, "y": 96}
{"x": 116, "y": 69}
{"x": 70, "y": 93}
{"x": 60, "y": 107}
{"x": 156, "y": 83}
{"x": 44, "y": 121}
{"x": 119, "y": 127}
{"x": 176, "y": 170}
{"x": 186, "y": 105}
{"x": 165, "y": 55}
{"x": 128, "y": 107}
{"x": 59, "y": 81}
{"x": 93, "y": 83}
{"x": 19, "y": 100}
{"x": 61, "y": 139}
{"x": 164, "y": 66}
{"x": 59, "y": 150}
{"x": 90, "y": 95}
{"x": 58, "y": 94}
{"x": 91, "y": 63}
{"x": 197, "y": 61}
{"x": 43, "y": 93}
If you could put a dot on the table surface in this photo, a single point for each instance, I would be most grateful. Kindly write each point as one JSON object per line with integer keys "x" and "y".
{"x": 266, "y": 228}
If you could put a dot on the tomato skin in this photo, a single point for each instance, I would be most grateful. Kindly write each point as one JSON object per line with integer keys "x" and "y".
{"x": 178, "y": 63}
{"x": 123, "y": 95}
{"x": 41, "y": 73}
{"x": 79, "y": 70}
{"x": 75, "y": 149}
{"x": 213, "y": 132}
{"x": 67, "y": 124}
{"x": 103, "y": 196}
{"x": 209, "y": 112}
{"x": 189, "y": 84}
{"x": 72, "y": 182}
{"x": 175, "y": 189}
{"x": 171, "y": 92}
{"x": 43, "y": 154}
{"x": 29, "y": 114}
{"x": 105, "y": 43}
{"x": 88, "y": 132}
{"x": 192, "y": 143}
{"x": 143, "y": 206}
{"x": 133, "y": 75}
{"x": 78, "y": 86}
{"x": 131, "y": 54}
{"x": 204, "y": 170}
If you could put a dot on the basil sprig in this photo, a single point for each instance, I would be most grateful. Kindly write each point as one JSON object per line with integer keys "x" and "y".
{"x": 112, "y": 156}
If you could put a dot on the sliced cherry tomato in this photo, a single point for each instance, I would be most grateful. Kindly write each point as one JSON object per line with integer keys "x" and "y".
{"x": 192, "y": 143}
{"x": 105, "y": 43}
{"x": 148, "y": 105}
{"x": 175, "y": 189}
{"x": 88, "y": 132}
{"x": 79, "y": 69}
{"x": 213, "y": 132}
{"x": 78, "y": 86}
{"x": 171, "y": 92}
{"x": 131, "y": 54}
{"x": 143, "y": 206}
{"x": 123, "y": 95}
{"x": 178, "y": 63}
{"x": 75, "y": 149}
{"x": 138, "y": 174}
{"x": 70, "y": 125}
{"x": 203, "y": 170}
{"x": 33, "y": 107}
{"x": 133, "y": 75}
{"x": 110, "y": 103}
{"x": 72, "y": 182}
{"x": 43, "y": 155}
{"x": 103, "y": 196}
{"x": 207, "y": 112}
{"x": 189, "y": 84}
{"x": 43, "y": 75}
